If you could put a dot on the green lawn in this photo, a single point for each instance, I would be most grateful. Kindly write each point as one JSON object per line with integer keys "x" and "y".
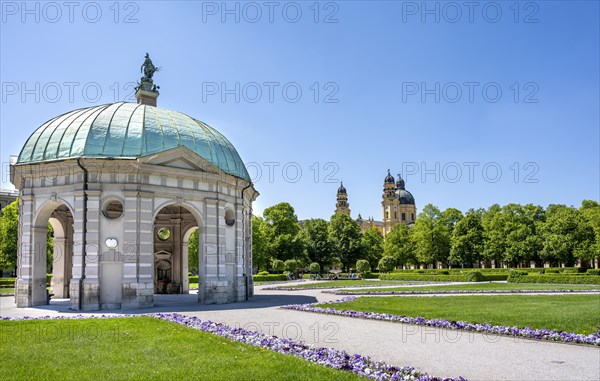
{"x": 488, "y": 286}
{"x": 140, "y": 348}
{"x": 345, "y": 283}
{"x": 572, "y": 313}
{"x": 7, "y": 290}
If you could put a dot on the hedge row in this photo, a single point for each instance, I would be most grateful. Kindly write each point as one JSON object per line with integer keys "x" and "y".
{"x": 448, "y": 271}
{"x": 518, "y": 277}
{"x": 474, "y": 276}
{"x": 270, "y": 277}
{"x": 193, "y": 278}
{"x": 10, "y": 282}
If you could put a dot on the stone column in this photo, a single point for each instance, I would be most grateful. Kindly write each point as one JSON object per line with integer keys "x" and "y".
{"x": 215, "y": 288}
{"x": 25, "y": 254}
{"x": 185, "y": 281}
{"x": 39, "y": 295}
{"x": 145, "y": 285}
{"x": 85, "y": 260}
{"x": 239, "y": 270}
{"x": 59, "y": 273}
{"x": 176, "y": 270}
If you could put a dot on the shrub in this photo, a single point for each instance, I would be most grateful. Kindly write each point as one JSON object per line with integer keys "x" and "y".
{"x": 278, "y": 265}
{"x": 7, "y": 282}
{"x": 386, "y": 263}
{"x": 314, "y": 268}
{"x": 270, "y": 277}
{"x": 458, "y": 277}
{"x": 551, "y": 271}
{"x": 263, "y": 273}
{"x": 593, "y": 272}
{"x": 424, "y": 278}
{"x": 573, "y": 270}
{"x": 474, "y": 276}
{"x": 558, "y": 279}
{"x": 290, "y": 265}
{"x": 444, "y": 272}
{"x": 363, "y": 266}
{"x": 494, "y": 277}
{"x": 193, "y": 279}
{"x": 371, "y": 276}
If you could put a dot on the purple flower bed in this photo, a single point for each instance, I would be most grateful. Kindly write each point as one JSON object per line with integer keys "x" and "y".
{"x": 329, "y": 357}
{"x": 528, "y": 333}
{"x": 433, "y": 292}
{"x": 317, "y": 287}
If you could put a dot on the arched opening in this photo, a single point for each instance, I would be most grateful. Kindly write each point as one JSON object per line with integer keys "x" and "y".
{"x": 52, "y": 253}
{"x": 191, "y": 248}
{"x": 173, "y": 226}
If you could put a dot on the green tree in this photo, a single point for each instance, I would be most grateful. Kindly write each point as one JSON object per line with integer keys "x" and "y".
{"x": 291, "y": 265}
{"x": 314, "y": 268}
{"x": 400, "y": 245}
{"x": 523, "y": 240}
{"x": 345, "y": 234}
{"x": 317, "y": 245}
{"x": 567, "y": 235}
{"x": 49, "y": 249}
{"x": 431, "y": 237}
{"x": 450, "y": 218}
{"x": 467, "y": 239}
{"x": 494, "y": 240}
{"x": 386, "y": 263}
{"x": 512, "y": 233}
{"x": 281, "y": 219}
{"x": 283, "y": 241}
{"x": 260, "y": 253}
{"x": 363, "y": 266}
{"x": 372, "y": 241}
{"x": 9, "y": 233}
{"x": 278, "y": 265}
{"x": 193, "y": 251}
{"x": 590, "y": 210}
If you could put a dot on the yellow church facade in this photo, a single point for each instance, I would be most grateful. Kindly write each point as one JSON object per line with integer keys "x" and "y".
{"x": 397, "y": 205}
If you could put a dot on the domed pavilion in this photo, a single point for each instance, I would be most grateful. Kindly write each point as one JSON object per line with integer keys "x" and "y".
{"x": 124, "y": 186}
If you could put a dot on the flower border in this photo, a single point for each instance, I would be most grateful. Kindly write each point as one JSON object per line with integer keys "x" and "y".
{"x": 525, "y": 332}
{"x": 328, "y": 357}
{"x": 408, "y": 283}
{"x": 434, "y": 292}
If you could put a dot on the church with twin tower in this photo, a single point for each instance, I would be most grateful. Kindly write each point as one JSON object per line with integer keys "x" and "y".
{"x": 397, "y": 204}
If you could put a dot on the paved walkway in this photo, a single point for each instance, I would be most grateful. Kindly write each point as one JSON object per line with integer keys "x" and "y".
{"x": 437, "y": 351}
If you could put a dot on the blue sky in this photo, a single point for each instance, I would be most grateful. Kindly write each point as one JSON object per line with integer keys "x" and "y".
{"x": 495, "y": 103}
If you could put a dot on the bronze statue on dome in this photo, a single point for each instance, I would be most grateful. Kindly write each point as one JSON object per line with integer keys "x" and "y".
{"x": 146, "y": 83}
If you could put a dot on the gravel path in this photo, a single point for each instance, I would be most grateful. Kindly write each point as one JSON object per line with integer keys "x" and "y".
{"x": 437, "y": 351}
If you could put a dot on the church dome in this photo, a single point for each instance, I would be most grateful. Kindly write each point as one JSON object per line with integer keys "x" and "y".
{"x": 341, "y": 189}
{"x": 389, "y": 179}
{"x": 405, "y": 197}
{"x": 129, "y": 130}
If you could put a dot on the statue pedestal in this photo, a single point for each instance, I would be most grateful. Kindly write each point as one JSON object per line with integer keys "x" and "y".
{"x": 146, "y": 97}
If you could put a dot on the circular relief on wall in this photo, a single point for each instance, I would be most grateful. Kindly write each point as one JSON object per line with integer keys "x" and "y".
{"x": 229, "y": 217}
{"x": 112, "y": 209}
{"x": 163, "y": 234}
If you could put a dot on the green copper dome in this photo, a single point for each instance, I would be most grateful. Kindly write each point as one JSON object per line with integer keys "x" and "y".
{"x": 129, "y": 130}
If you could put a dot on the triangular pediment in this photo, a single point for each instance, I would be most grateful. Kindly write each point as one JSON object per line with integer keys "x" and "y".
{"x": 180, "y": 157}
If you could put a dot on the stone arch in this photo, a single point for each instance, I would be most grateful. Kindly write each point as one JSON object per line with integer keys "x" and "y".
{"x": 185, "y": 249}
{"x": 34, "y": 253}
{"x": 191, "y": 208}
{"x": 172, "y": 225}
